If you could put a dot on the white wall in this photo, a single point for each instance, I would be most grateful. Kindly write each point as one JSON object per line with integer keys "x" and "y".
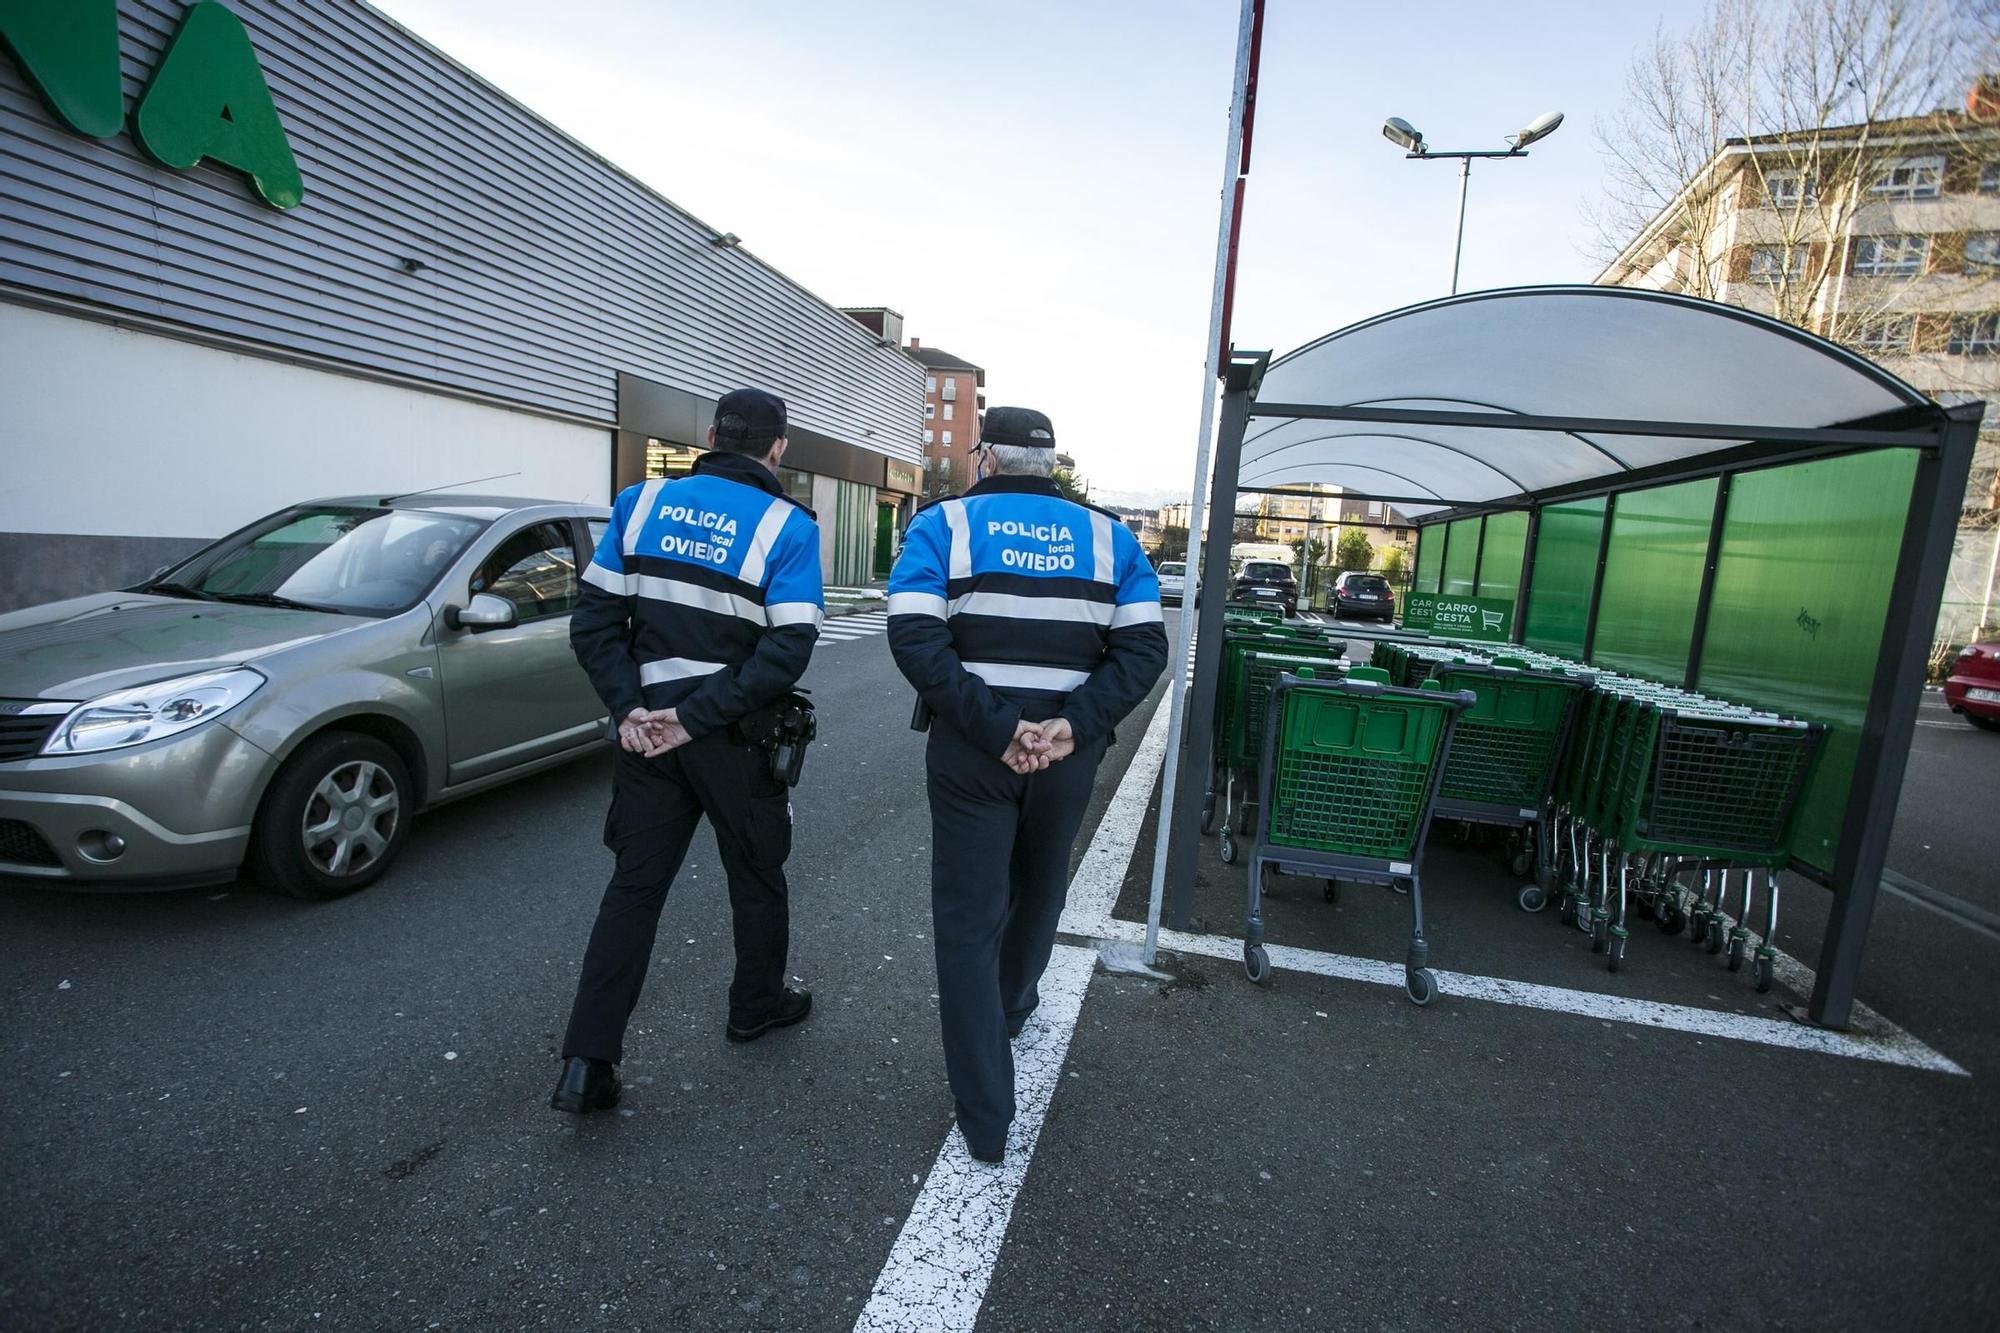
{"x": 105, "y": 431}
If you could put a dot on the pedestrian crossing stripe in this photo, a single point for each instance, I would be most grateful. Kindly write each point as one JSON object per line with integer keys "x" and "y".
{"x": 866, "y": 625}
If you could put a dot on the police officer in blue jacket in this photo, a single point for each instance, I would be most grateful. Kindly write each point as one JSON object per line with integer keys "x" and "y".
{"x": 1030, "y": 625}
{"x": 700, "y": 606}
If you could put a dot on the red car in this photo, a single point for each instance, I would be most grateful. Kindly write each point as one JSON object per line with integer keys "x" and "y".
{"x": 1973, "y": 687}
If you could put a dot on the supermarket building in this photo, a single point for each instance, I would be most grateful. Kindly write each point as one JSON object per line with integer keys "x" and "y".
{"x": 443, "y": 287}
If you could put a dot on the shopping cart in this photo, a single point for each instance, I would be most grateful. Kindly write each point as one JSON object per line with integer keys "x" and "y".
{"x": 1666, "y": 784}
{"x": 1504, "y": 758}
{"x": 1251, "y": 665}
{"x": 1348, "y": 775}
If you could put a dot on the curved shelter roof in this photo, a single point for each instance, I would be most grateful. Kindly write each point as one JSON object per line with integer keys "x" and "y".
{"x": 1608, "y": 385}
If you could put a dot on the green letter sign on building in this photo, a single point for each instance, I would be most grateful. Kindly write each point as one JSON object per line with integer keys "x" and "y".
{"x": 69, "y": 52}
{"x": 207, "y": 99}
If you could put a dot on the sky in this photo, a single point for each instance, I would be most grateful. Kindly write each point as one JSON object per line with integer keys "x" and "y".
{"x": 1036, "y": 186}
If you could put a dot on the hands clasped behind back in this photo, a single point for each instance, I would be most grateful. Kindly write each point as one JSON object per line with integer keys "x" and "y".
{"x": 1036, "y": 745}
{"x": 651, "y": 732}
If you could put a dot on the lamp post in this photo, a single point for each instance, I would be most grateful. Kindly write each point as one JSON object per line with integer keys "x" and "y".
{"x": 1411, "y": 140}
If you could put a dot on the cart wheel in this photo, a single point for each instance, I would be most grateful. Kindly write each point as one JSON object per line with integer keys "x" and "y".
{"x": 1332, "y": 891}
{"x": 1243, "y": 817}
{"x": 1670, "y": 919}
{"x": 1531, "y": 898}
{"x": 1566, "y": 913}
{"x": 1600, "y": 935}
{"x": 1736, "y": 953}
{"x": 1714, "y": 942}
{"x": 1645, "y": 908}
{"x": 1256, "y": 963}
{"x": 1208, "y": 814}
{"x": 1522, "y": 863}
{"x": 1763, "y": 971}
{"x": 1617, "y": 959}
{"x": 1422, "y": 985}
{"x": 1228, "y": 849}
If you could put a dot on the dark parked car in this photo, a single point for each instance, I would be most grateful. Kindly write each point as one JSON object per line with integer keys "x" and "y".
{"x": 1266, "y": 583}
{"x": 1972, "y": 690}
{"x": 1359, "y": 594}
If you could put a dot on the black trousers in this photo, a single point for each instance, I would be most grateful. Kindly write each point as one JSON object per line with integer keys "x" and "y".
{"x": 655, "y": 806}
{"x": 1000, "y": 846}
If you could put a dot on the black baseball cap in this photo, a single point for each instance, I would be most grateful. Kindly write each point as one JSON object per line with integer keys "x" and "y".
{"x": 749, "y": 416}
{"x": 1022, "y": 427}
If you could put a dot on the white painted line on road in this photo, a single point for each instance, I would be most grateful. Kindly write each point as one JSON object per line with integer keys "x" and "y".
{"x": 1102, "y": 871}
{"x": 1890, "y": 1046}
{"x": 935, "y": 1280}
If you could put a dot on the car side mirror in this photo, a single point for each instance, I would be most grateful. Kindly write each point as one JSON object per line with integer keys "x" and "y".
{"x": 484, "y": 611}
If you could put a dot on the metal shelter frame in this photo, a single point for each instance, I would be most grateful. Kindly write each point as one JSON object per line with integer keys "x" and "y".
{"x": 1943, "y": 439}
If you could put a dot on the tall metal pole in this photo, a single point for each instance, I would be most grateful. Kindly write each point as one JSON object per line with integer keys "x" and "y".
{"x": 1234, "y": 163}
{"x": 1458, "y": 250}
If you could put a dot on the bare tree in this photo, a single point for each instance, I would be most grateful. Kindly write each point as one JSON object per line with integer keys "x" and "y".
{"x": 1820, "y": 99}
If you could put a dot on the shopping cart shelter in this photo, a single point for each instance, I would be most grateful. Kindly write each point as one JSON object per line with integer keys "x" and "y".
{"x": 1676, "y": 576}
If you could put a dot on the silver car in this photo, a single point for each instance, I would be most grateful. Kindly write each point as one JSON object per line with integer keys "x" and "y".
{"x": 283, "y": 701}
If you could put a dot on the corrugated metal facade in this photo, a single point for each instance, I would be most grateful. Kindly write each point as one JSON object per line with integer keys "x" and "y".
{"x": 545, "y": 269}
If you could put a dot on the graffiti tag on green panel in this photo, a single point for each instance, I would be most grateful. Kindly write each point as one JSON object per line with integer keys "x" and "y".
{"x": 208, "y": 101}
{"x": 68, "y": 50}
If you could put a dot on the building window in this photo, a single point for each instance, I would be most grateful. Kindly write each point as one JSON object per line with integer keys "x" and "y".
{"x": 1974, "y": 335}
{"x": 1890, "y": 336}
{"x": 1790, "y": 189}
{"x": 1774, "y": 263}
{"x": 947, "y": 438}
{"x": 1890, "y": 256}
{"x": 797, "y": 484}
{"x": 1911, "y": 178}
{"x": 1989, "y": 178}
{"x": 950, "y": 388}
{"x": 927, "y": 437}
{"x": 930, "y": 384}
{"x": 930, "y": 411}
{"x": 947, "y": 411}
{"x": 1982, "y": 252}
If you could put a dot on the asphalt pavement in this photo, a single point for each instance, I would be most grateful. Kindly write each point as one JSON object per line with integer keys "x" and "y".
{"x": 231, "y": 1111}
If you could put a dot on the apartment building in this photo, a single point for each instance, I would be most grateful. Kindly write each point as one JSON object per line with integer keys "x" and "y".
{"x": 1884, "y": 237}
{"x": 954, "y": 401}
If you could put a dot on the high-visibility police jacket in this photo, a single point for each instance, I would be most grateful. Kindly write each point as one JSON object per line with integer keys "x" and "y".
{"x": 1010, "y": 603}
{"x": 704, "y": 595}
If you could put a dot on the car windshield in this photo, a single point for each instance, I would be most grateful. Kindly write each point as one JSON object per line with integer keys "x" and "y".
{"x": 327, "y": 558}
{"x": 1174, "y": 569}
{"x": 1267, "y": 571}
{"x": 1368, "y": 583}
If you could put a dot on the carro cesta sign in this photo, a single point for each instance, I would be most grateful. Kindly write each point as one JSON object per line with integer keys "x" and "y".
{"x": 206, "y": 99}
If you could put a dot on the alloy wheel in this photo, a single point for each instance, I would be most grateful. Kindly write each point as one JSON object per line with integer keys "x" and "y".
{"x": 350, "y": 818}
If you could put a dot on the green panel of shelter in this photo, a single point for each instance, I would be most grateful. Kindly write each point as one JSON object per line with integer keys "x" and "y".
{"x": 1500, "y": 559}
{"x": 1430, "y": 558}
{"x": 1461, "y": 557}
{"x": 1802, "y": 586}
{"x": 1565, "y": 571}
{"x": 1652, "y": 580}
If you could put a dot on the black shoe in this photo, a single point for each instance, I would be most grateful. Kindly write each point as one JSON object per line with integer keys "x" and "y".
{"x": 792, "y": 1007}
{"x": 992, "y": 1154}
{"x": 585, "y": 1086}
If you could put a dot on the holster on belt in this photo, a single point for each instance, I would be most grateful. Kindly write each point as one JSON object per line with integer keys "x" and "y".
{"x": 784, "y": 729}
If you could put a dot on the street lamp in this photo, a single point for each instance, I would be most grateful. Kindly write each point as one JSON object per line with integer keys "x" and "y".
{"x": 1411, "y": 140}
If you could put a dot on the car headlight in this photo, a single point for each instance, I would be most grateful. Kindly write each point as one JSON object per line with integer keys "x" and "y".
{"x": 152, "y": 712}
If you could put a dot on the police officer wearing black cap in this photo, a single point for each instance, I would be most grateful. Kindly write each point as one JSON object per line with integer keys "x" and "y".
{"x": 1030, "y": 625}
{"x": 699, "y": 608}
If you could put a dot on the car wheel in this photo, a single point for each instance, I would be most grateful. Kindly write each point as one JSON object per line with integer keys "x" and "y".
{"x": 1983, "y": 723}
{"x": 333, "y": 819}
